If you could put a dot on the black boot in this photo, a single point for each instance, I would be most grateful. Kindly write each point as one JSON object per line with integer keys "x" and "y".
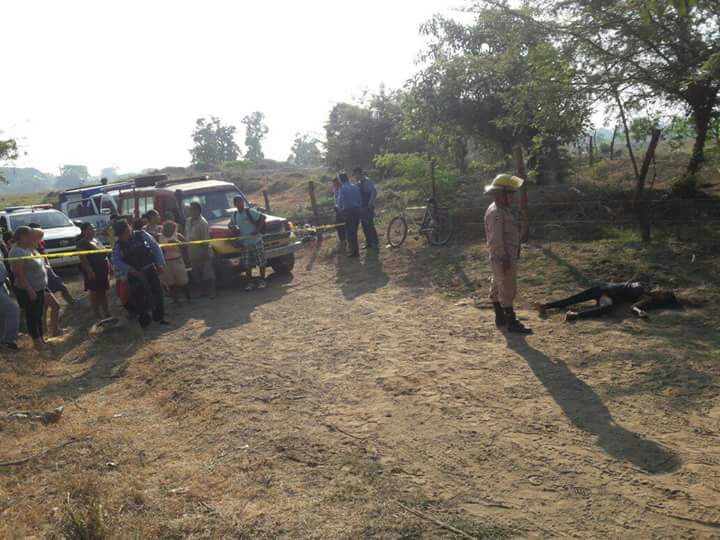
{"x": 513, "y": 325}
{"x": 500, "y": 319}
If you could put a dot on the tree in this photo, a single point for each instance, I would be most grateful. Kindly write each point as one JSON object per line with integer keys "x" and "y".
{"x": 255, "y": 131}
{"x": 502, "y": 81}
{"x": 110, "y": 173}
{"x": 214, "y": 142}
{"x": 72, "y": 176}
{"x": 8, "y": 151}
{"x": 356, "y": 133}
{"x": 648, "y": 49}
{"x": 305, "y": 151}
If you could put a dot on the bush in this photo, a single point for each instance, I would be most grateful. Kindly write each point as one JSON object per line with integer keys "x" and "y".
{"x": 413, "y": 171}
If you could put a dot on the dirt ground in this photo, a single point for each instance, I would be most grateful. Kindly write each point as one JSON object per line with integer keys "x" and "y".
{"x": 372, "y": 398}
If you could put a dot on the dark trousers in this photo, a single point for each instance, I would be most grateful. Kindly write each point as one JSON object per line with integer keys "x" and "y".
{"x": 593, "y": 293}
{"x": 147, "y": 300}
{"x": 368, "y": 225}
{"x": 157, "y": 293}
{"x": 34, "y": 310}
{"x": 340, "y": 222}
{"x": 352, "y": 220}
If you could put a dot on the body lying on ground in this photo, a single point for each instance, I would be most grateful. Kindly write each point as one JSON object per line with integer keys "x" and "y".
{"x": 608, "y": 295}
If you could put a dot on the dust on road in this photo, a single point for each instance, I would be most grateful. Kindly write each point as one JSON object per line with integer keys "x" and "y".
{"x": 317, "y": 407}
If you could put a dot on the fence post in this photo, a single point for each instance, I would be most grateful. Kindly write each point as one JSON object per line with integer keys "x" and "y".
{"x": 267, "y": 200}
{"x": 432, "y": 179}
{"x": 313, "y": 202}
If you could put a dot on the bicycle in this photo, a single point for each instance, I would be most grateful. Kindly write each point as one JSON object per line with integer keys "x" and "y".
{"x": 436, "y": 225}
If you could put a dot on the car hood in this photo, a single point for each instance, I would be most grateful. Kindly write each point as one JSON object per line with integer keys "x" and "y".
{"x": 58, "y": 233}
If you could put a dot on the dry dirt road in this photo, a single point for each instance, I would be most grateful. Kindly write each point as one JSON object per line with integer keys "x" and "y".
{"x": 353, "y": 401}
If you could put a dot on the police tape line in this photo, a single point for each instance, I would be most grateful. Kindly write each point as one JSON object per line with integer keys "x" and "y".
{"x": 79, "y": 253}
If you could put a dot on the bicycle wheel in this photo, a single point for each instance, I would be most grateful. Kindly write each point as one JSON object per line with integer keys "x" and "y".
{"x": 440, "y": 230}
{"x": 397, "y": 231}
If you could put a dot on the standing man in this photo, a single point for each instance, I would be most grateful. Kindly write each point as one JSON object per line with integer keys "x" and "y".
{"x": 367, "y": 218}
{"x": 349, "y": 201}
{"x": 203, "y": 273}
{"x": 247, "y": 223}
{"x": 503, "y": 239}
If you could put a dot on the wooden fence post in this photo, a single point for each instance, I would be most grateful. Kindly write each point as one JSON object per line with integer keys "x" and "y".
{"x": 313, "y": 202}
{"x": 267, "y": 200}
{"x": 432, "y": 179}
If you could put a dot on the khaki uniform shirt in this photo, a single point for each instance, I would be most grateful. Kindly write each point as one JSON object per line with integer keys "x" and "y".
{"x": 502, "y": 233}
{"x": 200, "y": 230}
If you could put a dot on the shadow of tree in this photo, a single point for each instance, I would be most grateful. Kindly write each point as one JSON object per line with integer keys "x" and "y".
{"x": 584, "y": 408}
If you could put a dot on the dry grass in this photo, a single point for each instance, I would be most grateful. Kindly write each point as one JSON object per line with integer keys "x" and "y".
{"x": 311, "y": 409}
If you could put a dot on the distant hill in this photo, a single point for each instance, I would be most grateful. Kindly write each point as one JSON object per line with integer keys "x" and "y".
{"x": 25, "y": 180}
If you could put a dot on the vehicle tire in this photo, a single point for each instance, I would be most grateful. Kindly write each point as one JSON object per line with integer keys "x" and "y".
{"x": 284, "y": 264}
{"x": 441, "y": 229}
{"x": 397, "y": 231}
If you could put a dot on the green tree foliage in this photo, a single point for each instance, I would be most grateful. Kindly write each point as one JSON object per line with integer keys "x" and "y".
{"x": 355, "y": 134}
{"x": 305, "y": 151}
{"x": 214, "y": 142}
{"x": 500, "y": 80}
{"x": 648, "y": 49}
{"x": 8, "y": 152}
{"x": 255, "y": 131}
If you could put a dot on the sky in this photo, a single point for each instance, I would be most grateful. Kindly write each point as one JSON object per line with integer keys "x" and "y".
{"x": 121, "y": 82}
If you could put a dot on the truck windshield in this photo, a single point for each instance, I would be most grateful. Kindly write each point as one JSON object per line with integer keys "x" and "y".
{"x": 46, "y": 220}
{"x": 215, "y": 204}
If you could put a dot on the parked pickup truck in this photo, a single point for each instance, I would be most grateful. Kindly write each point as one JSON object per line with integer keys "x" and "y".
{"x": 172, "y": 198}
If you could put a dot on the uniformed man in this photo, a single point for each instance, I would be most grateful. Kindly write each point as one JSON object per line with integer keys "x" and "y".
{"x": 503, "y": 239}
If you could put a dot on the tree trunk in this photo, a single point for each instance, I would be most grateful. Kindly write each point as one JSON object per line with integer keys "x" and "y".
{"x": 612, "y": 143}
{"x": 522, "y": 173}
{"x": 701, "y": 117}
{"x": 640, "y": 200}
{"x": 591, "y": 151}
{"x": 627, "y": 134}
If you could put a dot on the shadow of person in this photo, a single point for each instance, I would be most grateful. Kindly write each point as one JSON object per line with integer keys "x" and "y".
{"x": 233, "y": 307}
{"x": 355, "y": 278}
{"x": 584, "y": 408}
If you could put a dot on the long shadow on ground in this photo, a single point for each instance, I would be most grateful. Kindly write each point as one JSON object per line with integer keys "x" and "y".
{"x": 584, "y": 408}
{"x": 356, "y": 279}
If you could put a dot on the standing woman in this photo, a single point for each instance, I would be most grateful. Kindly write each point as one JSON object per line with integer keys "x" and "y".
{"x": 95, "y": 269}
{"x": 30, "y": 282}
{"x": 175, "y": 276}
{"x": 51, "y": 305}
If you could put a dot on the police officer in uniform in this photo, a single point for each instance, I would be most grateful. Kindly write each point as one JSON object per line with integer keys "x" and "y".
{"x": 502, "y": 233}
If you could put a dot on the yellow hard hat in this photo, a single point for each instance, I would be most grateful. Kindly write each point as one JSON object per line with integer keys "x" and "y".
{"x": 505, "y": 182}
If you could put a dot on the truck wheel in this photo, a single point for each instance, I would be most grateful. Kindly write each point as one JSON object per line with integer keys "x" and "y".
{"x": 284, "y": 264}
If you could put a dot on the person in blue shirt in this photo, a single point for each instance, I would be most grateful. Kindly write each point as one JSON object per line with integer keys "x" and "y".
{"x": 367, "y": 218}
{"x": 248, "y": 223}
{"x": 139, "y": 259}
{"x": 349, "y": 201}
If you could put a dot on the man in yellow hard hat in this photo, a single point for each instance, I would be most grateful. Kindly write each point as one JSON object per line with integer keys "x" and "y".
{"x": 502, "y": 233}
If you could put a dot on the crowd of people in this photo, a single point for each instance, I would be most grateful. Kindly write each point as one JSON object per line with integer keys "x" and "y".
{"x": 148, "y": 259}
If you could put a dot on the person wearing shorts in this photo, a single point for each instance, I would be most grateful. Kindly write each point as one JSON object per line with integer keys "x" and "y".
{"x": 247, "y": 223}
{"x": 96, "y": 270}
{"x": 175, "y": 276}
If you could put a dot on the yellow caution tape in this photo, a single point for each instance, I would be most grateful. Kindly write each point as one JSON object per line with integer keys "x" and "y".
{"x": 78, "y": 253}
